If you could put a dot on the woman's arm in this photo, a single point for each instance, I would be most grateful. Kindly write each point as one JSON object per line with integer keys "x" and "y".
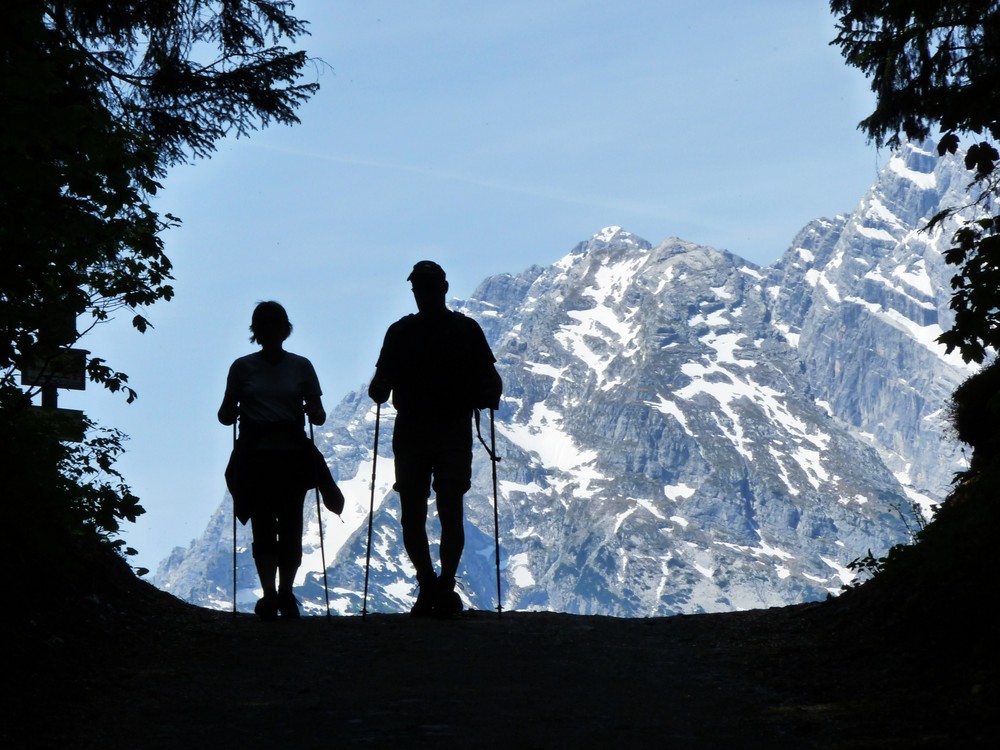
{"x": 314, "y": 410}
{"x": 229, "y": 411}
{"x": 230, "y": 408}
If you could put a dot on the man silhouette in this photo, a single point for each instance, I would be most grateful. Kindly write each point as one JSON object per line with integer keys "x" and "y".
{"x": 439, "y": 369}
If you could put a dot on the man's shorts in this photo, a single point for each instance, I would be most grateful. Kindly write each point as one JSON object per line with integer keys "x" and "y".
{"x": 432, "y": 456}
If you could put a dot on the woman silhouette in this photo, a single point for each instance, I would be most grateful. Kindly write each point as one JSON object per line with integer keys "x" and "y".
{"x": 272, "y": 465}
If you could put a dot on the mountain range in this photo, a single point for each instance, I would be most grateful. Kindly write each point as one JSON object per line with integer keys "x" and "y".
{"x": 681, "y": 430}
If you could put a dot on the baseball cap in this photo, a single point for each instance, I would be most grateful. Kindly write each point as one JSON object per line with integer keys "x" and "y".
{"x": 426, "y": 269}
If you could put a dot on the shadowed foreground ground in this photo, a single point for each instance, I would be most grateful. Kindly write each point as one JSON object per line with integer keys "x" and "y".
{"x": 139, "y": 669}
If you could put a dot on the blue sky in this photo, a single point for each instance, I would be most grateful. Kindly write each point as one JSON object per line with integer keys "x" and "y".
{"x": 488, "y": 137}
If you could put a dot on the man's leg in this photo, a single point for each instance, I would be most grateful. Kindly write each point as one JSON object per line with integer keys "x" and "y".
{"x": 413, "y": 519}
{"x": 449, "y": 508}
{"x": 413, "y": 483}
{"x": 452, "y": 479}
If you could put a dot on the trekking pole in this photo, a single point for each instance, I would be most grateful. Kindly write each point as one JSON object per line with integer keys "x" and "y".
{"x": 496, "y": 512}
{"x": 234, "y": 534}
{"x": 371, "y": 511}
{"x": 319, "y": 517}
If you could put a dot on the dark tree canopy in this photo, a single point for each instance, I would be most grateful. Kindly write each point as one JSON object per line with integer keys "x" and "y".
{"x": 935, "y": 70}
{"x": 932, "y": 64}
{"x": 99, "y": 99}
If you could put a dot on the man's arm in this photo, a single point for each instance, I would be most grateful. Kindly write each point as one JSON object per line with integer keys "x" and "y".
{"x": 380, "y": 387}
{"x": 489, "y": 388}
{"x": 382, "y": 382}
{"x": 489, "y": 384}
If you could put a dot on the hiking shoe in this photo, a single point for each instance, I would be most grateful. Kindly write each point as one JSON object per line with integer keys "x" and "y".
{"x": 267, "y": 608}
{"x": 424, "y": 606}
{"x": 288, "y": 605}
{"x": 447, "y": 602}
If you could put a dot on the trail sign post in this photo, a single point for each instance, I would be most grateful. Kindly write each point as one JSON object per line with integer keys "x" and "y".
{"x": 65, "y": 368}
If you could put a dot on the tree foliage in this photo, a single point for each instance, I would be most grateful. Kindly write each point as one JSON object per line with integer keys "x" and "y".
{"x": 99, "y": 101}
{"x": 935, "y": 70}
{"x": 60, "y": 495}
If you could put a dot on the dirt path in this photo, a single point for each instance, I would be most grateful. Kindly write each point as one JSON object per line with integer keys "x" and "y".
{"x": 185, "y": 678}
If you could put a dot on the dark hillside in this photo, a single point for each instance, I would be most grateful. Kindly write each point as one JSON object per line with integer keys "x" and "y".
{"x": 907, "y": 660}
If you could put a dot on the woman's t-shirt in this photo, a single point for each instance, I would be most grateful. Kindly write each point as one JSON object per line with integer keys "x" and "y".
{"x": 271, "y": 393}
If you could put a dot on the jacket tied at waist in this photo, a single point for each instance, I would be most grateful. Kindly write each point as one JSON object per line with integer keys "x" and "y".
{"x": 259, "y": 450}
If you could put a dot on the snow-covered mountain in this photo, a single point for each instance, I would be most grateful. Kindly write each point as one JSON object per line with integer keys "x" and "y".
{"x": 681, "y": 430}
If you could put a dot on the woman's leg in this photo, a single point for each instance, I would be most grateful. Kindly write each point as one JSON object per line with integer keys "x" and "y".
{"x": 265, "y": 549}
{"x": 290, "y": 527}
{"x": 265, "y": 557}
{"x": 267, "y": 568}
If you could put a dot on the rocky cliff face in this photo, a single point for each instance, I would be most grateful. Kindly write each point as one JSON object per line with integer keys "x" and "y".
{"x": 863, "y": 298}
{"x": 681, "y": 431}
